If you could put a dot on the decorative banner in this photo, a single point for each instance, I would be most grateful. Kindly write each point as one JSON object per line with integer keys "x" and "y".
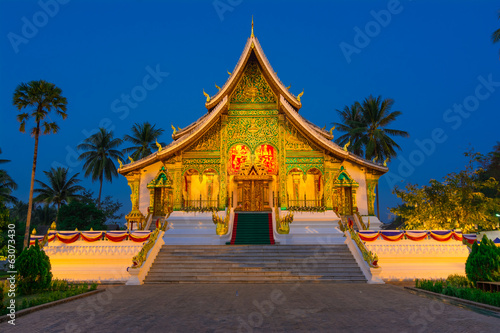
{"x": 92, "y": 236}
{"x": 268, "y": 157}
{"x": 139, "y": 236}
{"x": 392, "y": 236}
{"x": 497, "y": 241}
{"x": 470, "y": 238}
{"x": 368, "y": 236}
{"x": 34, "y": 238}
{"x": 441, "y": 235}
{"x": 237, "y": 156}
{"x": 416, "y": 235}
{"x": 116, "y": 236}
{"x": 68, "y": 237}
{"x": 457, "y": 235}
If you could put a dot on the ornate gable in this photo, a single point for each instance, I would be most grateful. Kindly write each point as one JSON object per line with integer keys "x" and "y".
{"x": 210, "y": 141}
{"x": 296, "y": 141}
{"x": 253, "y": 87}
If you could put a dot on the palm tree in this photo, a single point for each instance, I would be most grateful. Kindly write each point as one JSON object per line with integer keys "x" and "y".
{"x": 377, "y": 138}
{"x": 7, "y": 185}
{"x": 41, "y": 97}
{"x": 495, "y": 36}
{"x": 100, "y": 156}
{"x": 352, "y": 124}
{"x": 60, "y": 189}
{"x": 144, "y": 138}
{"x": 365, "y": 124}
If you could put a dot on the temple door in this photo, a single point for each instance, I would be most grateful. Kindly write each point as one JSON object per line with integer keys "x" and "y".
{"x": 347, "y": 201}
{"x": 247, "y": 196}
{"x": 158, "y": 203}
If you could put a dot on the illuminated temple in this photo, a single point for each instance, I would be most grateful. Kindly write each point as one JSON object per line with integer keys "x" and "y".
{"x": 253, "y": 172}
{"x": 252, "y": 152}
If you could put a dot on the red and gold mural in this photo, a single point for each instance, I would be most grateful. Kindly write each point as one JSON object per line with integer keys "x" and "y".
{"x": 237, "y": 156}
{"x": 268, "y": 156}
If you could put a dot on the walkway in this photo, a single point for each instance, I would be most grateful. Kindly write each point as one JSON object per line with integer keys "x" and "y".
{"x": 255, "y": 308}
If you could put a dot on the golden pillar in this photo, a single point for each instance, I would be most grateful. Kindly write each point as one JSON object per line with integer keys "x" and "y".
{"x": 135, "y": 217}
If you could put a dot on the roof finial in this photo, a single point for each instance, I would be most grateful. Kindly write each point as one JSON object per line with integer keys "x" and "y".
{"x": 252, "y": 27}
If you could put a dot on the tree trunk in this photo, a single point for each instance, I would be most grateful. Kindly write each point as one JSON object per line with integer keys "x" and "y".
{"x": 30, "y": 201}
{"x": 378, "y": 208}
{"x": 100, "y": 189}
{"x": 57, "y": 213}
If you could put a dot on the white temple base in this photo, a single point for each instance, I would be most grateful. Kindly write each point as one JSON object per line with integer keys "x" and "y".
{"x": 192, "y": 228}
{"x": 312, "y": 228}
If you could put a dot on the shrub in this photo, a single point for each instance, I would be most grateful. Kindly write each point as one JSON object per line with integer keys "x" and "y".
{"x": 81, "y": 215}
{"x": 483, "y": 263}
{"x": 1, "y": 298}
{"x": 458, "y": 281}
{"x": 33, "y": 267}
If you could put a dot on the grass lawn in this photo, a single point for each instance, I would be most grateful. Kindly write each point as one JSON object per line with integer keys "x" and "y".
{"x": 58, "y": 290}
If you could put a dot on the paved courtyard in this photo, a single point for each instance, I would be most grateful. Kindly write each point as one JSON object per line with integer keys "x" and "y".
{"x": 255, "y": 308}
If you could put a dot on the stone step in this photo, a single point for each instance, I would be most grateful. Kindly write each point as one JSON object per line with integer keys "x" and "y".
{"x": 173, "y": 272}
{"x": 254, "y": 264}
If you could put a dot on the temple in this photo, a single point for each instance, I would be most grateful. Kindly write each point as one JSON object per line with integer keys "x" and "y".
{"x": 252, "y": 152}
{"x": 252, "y": 171}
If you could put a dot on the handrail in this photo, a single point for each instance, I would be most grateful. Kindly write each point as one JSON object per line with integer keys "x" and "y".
{"x": 139, "y": 259}
{"x": 361, "y": 224}
{"x": 149, "y": 218}
{"x": 370, "y": 258}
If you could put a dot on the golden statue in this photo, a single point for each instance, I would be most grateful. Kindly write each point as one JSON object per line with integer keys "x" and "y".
{"x": 178, "y": 129}
{"x": 33, "y": 232}
{"x": 158, "y": 145}
{"x": 300, "y": 95}
{"x": 216, "y": 86}
{"x": 385, "y": 161}
{"x": 375, "y": 159}
{"x": 175, "y": 131}
{"x": 206, "y": 95}
{"x": 120, "y": 162}
{"x": 131, "y": 160}
{"x": 53, "y": 226}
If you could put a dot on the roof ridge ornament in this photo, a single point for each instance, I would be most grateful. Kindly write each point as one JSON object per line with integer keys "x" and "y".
{"x": 252, "y": 28}
{"x": 300, "y": 95}
{"x": 206, "y": 95}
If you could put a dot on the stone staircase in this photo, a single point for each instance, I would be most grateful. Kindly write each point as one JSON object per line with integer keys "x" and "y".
{"x": 254, "y": 264}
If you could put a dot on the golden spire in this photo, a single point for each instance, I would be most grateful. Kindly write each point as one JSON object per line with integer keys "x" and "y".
{"x": 252, "y": 27}
{"x": 300, "y": 95}
{"x": 206, "y": 95}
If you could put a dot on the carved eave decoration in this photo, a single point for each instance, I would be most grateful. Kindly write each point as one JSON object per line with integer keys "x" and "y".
{"x": 343, "y": 178}
{"x": 162, "y": 179}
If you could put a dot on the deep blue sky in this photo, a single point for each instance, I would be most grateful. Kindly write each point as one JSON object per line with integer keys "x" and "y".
{"x": 430, "y": 56}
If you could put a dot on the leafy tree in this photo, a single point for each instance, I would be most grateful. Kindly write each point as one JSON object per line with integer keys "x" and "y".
{"x": 491, "y": 166}
{"x": 100, "y": 156}
{"x": 7, "y": 185}
{"x": 144, "y": 137}
{"x": 455, "y": 203}
{"x": 43, "y": 215}
{"x": 109, "y": 207}
{"x": 33, "y": 268}
{"x": 4, "y": 222}
{"x": 483, "y": 263}
{"x": 40, "y": 97}
{"x": 60, "y": 189}
{"x": 81, "y": 215}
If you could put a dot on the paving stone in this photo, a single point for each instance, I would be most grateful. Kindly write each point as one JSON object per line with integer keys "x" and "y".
{"x": 298, "y": 307}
